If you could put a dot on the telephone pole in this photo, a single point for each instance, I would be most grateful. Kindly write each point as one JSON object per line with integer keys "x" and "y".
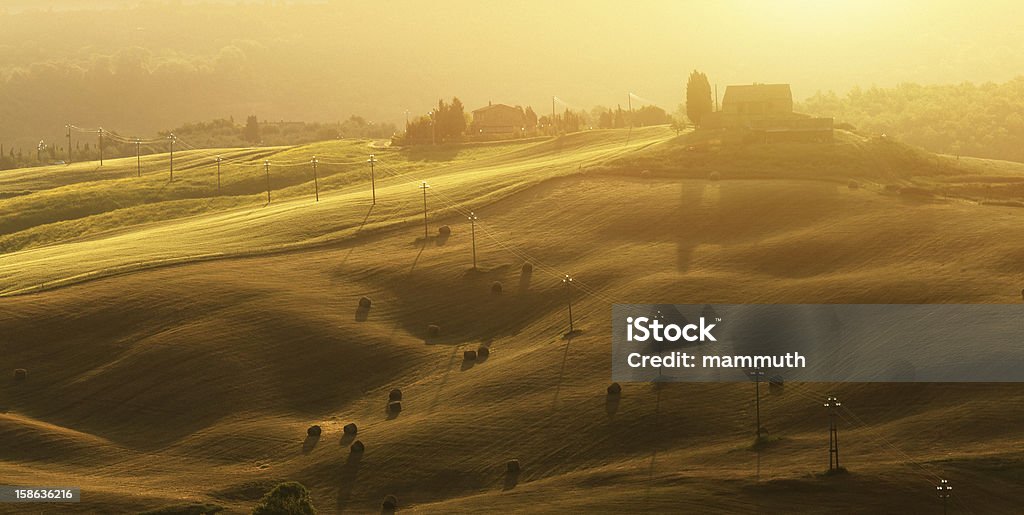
{"x": 266, "y": 168}
{"x": 424, "y": 188}
{"x": 68, "y": 127}
{"x": 373, "y": 181}
{"x": 553, "y": 131}
{"x": 472, "y": 224}
{"x": 629, "y": 104}
{"x": 758, "y": 373}
{"x": 173, "y": 139}
{"x": 945, "y": 492}
{"x": 218, "y": 175}
{"x": 832, "y": 404}
{"x": 567, "y": 281}
{"x": 316, "y": 181}
{"x": 138, "y": 158}
{"x": 101, "y": 146}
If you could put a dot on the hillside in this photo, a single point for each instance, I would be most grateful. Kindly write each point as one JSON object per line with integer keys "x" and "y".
{"x": 196, "y": 382}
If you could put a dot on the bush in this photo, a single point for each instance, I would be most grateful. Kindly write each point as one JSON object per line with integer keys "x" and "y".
{"x": 714, "y": 176}
{"x": 483, "y": 352}
{"x": 433, "y": 330}
{"x": 365, "y": 302}
{"x": 313, "y": 431}
{"x": 444, "y": 231}
{"x": 289, "y": 498}
{"x": 512, "y": 466}
{"x": 496, "y": 287}
{"x": 614, "y": 389}
{"x": 395, "y": 395}
{"x": 351, "y": 429}
{"x": 20, "y": 375}
{"x": 390, "y": 503}
{"x": 469, "y": 355}
{"x": 853, "y": 184}
{"x": 357, "y": 447}
{"x": 395, "y": 407}
{"x": 527, "y": 268}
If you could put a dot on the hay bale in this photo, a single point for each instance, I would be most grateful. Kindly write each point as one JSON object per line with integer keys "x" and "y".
{"x": 483, "y": 352}
{"x": 20, "y": 375}
{"x": 614, "y": 389}
{"x": 444, "y": 231}
{"x": 314, "y": 431}
{"x": 390, "y": 503}
{"x": 853, "y": 184}
{"x": 365, "y": 302}
{"x": 357, "y": 447}
{"x": 433, "y": 330}
{"x": 496, "y": 287}
{"x": 527, "y": 268}
{"x": 395, "y": 407}
{"x": 350, "y": 429}
{"x": 395, "y": 395}
{"x": 512, "y": 466}
{"x": 714, "y": 176}
{"x": 469, "y": 355}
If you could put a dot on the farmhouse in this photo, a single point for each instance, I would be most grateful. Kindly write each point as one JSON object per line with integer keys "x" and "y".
{"x": 766, "y": 111}
{"x": 499, "y": 120}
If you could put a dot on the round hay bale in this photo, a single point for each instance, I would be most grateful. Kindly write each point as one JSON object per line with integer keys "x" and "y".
{"x": 20, "y": 375}
{"x": 496, "y": 287}
{"x": 853, "y": 184}
{"x": 314, "y": 431}
{"x": 357, "y": 447}
{"x": 395, "y": 407}
{"x": 512, "y": 466}
{"x": 483, "y": 352}
{"x": 395, "y": 395}
{"x": 527, "y": 268}
{"x": 469, "y": 355}
{"x": 365, "y": 302}
{"x": 614, "y": 389}
{"x": 351, "y": 429}
{"x": 444, "y": 231}
{"x": 390, "y": 503}
{"x": 433, "y": 330}
{"x": 714, "y": 176}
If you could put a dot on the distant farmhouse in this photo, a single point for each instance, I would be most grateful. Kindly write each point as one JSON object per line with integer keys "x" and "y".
{"x": 499, "y": 121}
{"x": 766, "y": 110}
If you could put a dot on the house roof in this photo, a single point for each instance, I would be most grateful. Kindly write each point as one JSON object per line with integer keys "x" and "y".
{"x": 494, "y": 106}
{"x": 757, "y": 93}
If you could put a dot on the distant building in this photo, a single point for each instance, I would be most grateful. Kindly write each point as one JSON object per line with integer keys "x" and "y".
{"x": 766, "y": 110}
{"x": 499, "y": 120}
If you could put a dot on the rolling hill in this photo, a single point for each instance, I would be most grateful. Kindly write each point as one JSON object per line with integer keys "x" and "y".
{"x": 178, "y": 345}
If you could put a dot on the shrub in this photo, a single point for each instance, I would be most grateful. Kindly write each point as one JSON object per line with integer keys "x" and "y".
{"x": 469, "y": 355}
{"x": 527, "y": 268}
{"x": 357, "y": 447}
{"x": 395, "y": 407}
{"x": 313, "y": 431}
{"x": 395, "y": 395}
{"x": 614, "y": 389}
{"x": 433, "y": 330}
{"x": 20, "y": 375}
{"x": 444, "y": 231}
{"x": 853, "y": 184}
{"x": 286, "y": 498}
{"x": 483, "y": 352}
{"x": 512, "y": 466}
{"x": 351, "y": 429}
{"x": 365, "y": 302}
{"x": 390, "y": 503}
{"x": 496, "y": 287}
{"x": 714, "y": 176}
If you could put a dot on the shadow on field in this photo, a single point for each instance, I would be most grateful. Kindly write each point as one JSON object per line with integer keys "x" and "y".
{"x": 310, "y": 443}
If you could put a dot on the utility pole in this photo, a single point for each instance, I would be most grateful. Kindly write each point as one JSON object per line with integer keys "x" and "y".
{"x": 629, "y": 103}
{"x": 68, "y": 127}
{"x": 373, "y": 182}
{"x": 472, "y": 224}
{"x": 218, "y": 175}
{"x": 173, "y": 139}
{"x": 316, "y": 181}
{"x": 945, "y": 492}
{"x": 138, "y": 157}
{"x": 424, "y": 188}
{"x": 433, "y": 127}
{"x": 832, "y": 404}
{"x": 567, "y": 281}
{"x": 266, "y": 167}
{"x": 101, "y": 146}
{"x": 553, "y": 131}
{"x": 758, "y": 373}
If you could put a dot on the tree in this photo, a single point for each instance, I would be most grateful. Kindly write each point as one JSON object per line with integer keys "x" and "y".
{"x": 251, "y": 132}
{"x": 290, "y": 498}
{"x": 698, "y": 97}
